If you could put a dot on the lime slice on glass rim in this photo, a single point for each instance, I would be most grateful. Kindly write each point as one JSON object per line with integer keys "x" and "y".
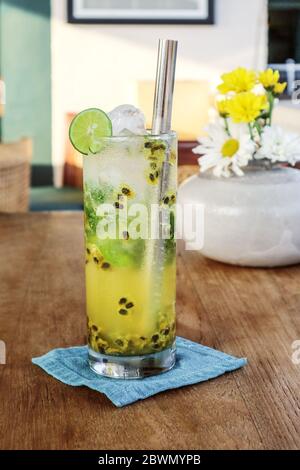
{"x": 87, "y": 129}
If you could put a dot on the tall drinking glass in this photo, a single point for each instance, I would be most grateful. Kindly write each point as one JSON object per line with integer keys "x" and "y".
{"x": 130, "y": 264}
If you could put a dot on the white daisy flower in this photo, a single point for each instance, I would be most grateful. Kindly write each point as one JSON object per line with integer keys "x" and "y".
{"x": 278, "y": 145}
{"x": 225, "y": 154}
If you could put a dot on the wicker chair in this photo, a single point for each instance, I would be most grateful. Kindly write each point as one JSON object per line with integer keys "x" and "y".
{"x": 15, "y": 160}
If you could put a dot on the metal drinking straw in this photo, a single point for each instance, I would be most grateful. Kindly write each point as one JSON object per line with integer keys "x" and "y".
{"x": 163, "y": 100}
{"x": 161, "y": 124}
{"x": 164, "y": 87}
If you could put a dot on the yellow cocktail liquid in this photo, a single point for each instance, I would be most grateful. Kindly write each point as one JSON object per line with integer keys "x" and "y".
{"x": 138, "y": 329}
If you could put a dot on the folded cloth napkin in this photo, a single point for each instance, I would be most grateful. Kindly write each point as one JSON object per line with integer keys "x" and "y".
{"x": 195, "y": 363}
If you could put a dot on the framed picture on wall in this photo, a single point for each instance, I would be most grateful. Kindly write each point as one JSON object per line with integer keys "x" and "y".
{"x": 141, "y": 11}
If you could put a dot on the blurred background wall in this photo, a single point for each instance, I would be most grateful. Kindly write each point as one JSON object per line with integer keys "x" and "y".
{"x": 51, "y": 69}
{"x": 106, "y": 65}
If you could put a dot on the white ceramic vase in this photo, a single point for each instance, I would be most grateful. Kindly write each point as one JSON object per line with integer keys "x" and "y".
{"x": 253, "y": 220}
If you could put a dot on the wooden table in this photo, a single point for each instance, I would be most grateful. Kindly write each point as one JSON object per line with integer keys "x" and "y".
{"x": 245, "y": 312}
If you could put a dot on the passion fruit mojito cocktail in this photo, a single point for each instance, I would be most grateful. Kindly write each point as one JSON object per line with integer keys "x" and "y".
{"x": 130, "y": 277}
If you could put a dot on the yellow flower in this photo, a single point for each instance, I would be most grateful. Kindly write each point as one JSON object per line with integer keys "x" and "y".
{"x": 246, "y": 107}
{"x": 239, "y": 80}
{"x": 269, "y": 78}
{"x": 222, "y": 107}
{"x": 279, "y": 88}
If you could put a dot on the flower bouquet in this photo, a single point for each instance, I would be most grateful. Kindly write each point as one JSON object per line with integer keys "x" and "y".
{"x": 253, "y": 220}
{"x": 244, "y": 132}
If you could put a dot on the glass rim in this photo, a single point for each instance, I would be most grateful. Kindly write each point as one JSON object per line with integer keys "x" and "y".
{"x": 163, "y": 135}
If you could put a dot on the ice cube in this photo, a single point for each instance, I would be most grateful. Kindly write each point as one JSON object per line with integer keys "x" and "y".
{"x": 127, "y": 119}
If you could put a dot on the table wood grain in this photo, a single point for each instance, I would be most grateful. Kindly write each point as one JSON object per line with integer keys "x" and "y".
{"x": 252, "y": 313}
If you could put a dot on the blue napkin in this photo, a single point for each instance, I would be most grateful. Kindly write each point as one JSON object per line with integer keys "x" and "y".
{"x": 195, "y": 363}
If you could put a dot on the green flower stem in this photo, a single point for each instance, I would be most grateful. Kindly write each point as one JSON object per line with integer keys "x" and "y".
{"x": 258, "y": 128}
{"x": 227, "y": 126}
{"x": 271, "y": 101}
{"x": 251, "y": 131}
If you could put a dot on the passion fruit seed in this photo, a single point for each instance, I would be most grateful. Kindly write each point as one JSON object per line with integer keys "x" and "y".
{"x": 126, "y": 235}
{"x": 169, "y": 200}
{"x": 88, "y": 251}
{"x": 94, "y": 328}
{"x": 125, "y": 191}
{"x": 96, "y": 260}
{"x": 122, "y": 301}
{"x": 155, "y": 338}
{"x": 123, "y": 311}
{"x": 156, "y": 148}
{"x": 130, "y": 305}
{"x": 105, "y": 266}
{"x": 102, "y": 345}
